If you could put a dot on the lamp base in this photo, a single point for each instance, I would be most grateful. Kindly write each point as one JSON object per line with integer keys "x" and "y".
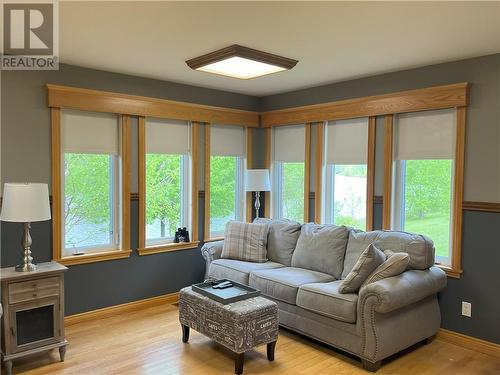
{"x": 26, "y": 267}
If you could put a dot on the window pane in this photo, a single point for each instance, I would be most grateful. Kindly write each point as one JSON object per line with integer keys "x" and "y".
{"x": 427, "y": 201}
{"x": 349, "y": 195}
{"x": 164, "y": 180}
{"x": 224, "y": 177}
{"x": 292, "y": 191}
{"x": 88, "y": 200}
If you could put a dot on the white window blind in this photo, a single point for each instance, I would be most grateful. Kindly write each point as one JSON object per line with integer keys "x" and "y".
{"x": 226, "y": 140}
{"x": 426, "y": 135}
{"x": 289, "y": 143}
{"x": 89, "y": 132}
{"x": 347, "y": 142}
{"x": 167, "y": 136}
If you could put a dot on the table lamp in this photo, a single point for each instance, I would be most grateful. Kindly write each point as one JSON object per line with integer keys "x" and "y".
{"x": 257, "y": 180}
{"x": 25, "y": 203}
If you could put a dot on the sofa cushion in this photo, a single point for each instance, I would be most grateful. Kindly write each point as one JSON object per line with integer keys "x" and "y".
{"x": 237, "y": 270}
{"x": 245, "y": 241}
{"x": 321, "y": 248}
{"x": 281, "y": 239}
{"x": 325, "y": 299}
{"x": 369, "y": 260}
{"x": 283, "y": 283}
{"x": 394, "y": 265}
{"x": 357, "y": 243}
{"x": 420, "y": 248}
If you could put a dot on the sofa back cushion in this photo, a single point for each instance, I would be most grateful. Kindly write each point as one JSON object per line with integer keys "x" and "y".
{"x": 281, "y": 239}
{"x": 419, "y": 247}
{"x": 321, "y": 248}
{"x": 245, "y": 241}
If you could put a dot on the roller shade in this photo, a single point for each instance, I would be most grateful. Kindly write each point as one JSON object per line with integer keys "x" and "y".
{"x": 289, "y": 143}
{"x": 226, "y": 140}
{"x": 89, "y": 132}
{"x": 347, "y": 142}
{"x": 426, "y": 135}
{"x": 167, "y": 136}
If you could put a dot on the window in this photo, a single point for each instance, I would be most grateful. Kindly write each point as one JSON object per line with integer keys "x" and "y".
{"x": 92, "y": 158}
{"x": 346, "y": 156}
{"x": 225, "y": 200}
{"x": 165, "y": 184}
{"x": 288, "y": 195}
{"x": 424, "y": 177}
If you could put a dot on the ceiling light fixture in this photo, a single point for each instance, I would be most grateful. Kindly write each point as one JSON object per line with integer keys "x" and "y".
{"x": 241, "y": 62}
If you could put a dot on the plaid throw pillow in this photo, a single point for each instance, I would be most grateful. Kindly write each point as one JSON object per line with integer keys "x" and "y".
{"x": 245, "y": 241}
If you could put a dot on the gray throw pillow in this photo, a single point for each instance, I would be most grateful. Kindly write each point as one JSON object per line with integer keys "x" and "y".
{"x": 358, "y": 242}
{"x": 369, "y": 260}
{"x": 245, "y": 241}
{"x": 321, "y": 248}
{"x": 395, "y": 264}
{"x": 282, "y": 239}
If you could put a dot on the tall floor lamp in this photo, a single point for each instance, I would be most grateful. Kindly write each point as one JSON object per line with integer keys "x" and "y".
{"x": 25, "y": 203}
{"x": 257, "y": 180}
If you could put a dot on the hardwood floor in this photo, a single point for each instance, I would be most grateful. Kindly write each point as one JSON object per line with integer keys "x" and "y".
{"x": 149, "y": 342}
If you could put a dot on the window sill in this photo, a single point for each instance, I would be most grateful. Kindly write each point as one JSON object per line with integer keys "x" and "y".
{"x": 455, "y": 273}
{"x": 167, "y": 248}
{"x": 94, "y": 257}
{"x": 213, "y": 239}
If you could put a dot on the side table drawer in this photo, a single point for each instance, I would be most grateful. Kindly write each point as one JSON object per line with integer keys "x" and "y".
{"x": 28, "y": 290}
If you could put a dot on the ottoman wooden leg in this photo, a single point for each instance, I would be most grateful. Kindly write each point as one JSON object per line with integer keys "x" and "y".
{"x": 270, "y": 350}
{"x": 238, "y": 363}
{"x": 185, "y": 333}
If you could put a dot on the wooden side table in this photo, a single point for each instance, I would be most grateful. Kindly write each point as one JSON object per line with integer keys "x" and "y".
{"x": 33, "y": 312}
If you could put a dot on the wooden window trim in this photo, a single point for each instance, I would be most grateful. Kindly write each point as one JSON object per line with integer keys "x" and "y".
{"x": 388, "y": 156}
{"x": 370, "y": 173}
{"x": 318, "y": 177}
{"x": 57, "y": 221}
{"x": 206, "y": 222}
{"x": 111, "y": 102}
{"x": 438, "y": 97}
{"x": 248, "y": 194}
{"x": 143, "y": 249}
{"x": 455, "y": 269}
{"x": 307, "y": 172}
{"x": 267, "y": 164}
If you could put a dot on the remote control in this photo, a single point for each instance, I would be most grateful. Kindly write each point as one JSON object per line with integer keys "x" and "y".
{"x": 223, "y": 285}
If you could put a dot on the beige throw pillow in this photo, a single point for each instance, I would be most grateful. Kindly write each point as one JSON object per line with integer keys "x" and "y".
{"x": 245, "y": 241}
{"x": 368, "y": 261}
{"x": 393, "y": 266}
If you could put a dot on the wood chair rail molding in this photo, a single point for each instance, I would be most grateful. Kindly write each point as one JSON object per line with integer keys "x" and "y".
{"x": 105, "y": 101}
{"x": 438, "y": 97}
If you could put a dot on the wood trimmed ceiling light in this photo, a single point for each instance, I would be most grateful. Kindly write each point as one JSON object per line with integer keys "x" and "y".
{"x": 241, "y": 62}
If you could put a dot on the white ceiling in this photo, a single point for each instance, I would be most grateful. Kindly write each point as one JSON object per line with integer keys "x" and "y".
{"x": 333, "y": 41}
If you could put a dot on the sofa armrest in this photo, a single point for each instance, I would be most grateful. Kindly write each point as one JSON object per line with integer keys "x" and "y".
{"x": 399, "y": 291}
{"x": 210, "y": 252}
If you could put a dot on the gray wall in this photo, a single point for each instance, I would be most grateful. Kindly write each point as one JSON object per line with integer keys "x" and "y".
{"x": 481, "y": 236}
{"x": 25, "y": 155}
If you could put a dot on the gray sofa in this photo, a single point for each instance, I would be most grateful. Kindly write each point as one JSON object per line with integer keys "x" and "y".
{"x": 380, "y": 320}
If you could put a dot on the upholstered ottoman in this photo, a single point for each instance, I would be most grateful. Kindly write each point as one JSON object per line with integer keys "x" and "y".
{"x": 239, "y": 326}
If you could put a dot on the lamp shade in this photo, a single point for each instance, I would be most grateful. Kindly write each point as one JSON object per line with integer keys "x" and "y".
{"x": 257, "y": 180}
{"x": 25, "y": 202}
